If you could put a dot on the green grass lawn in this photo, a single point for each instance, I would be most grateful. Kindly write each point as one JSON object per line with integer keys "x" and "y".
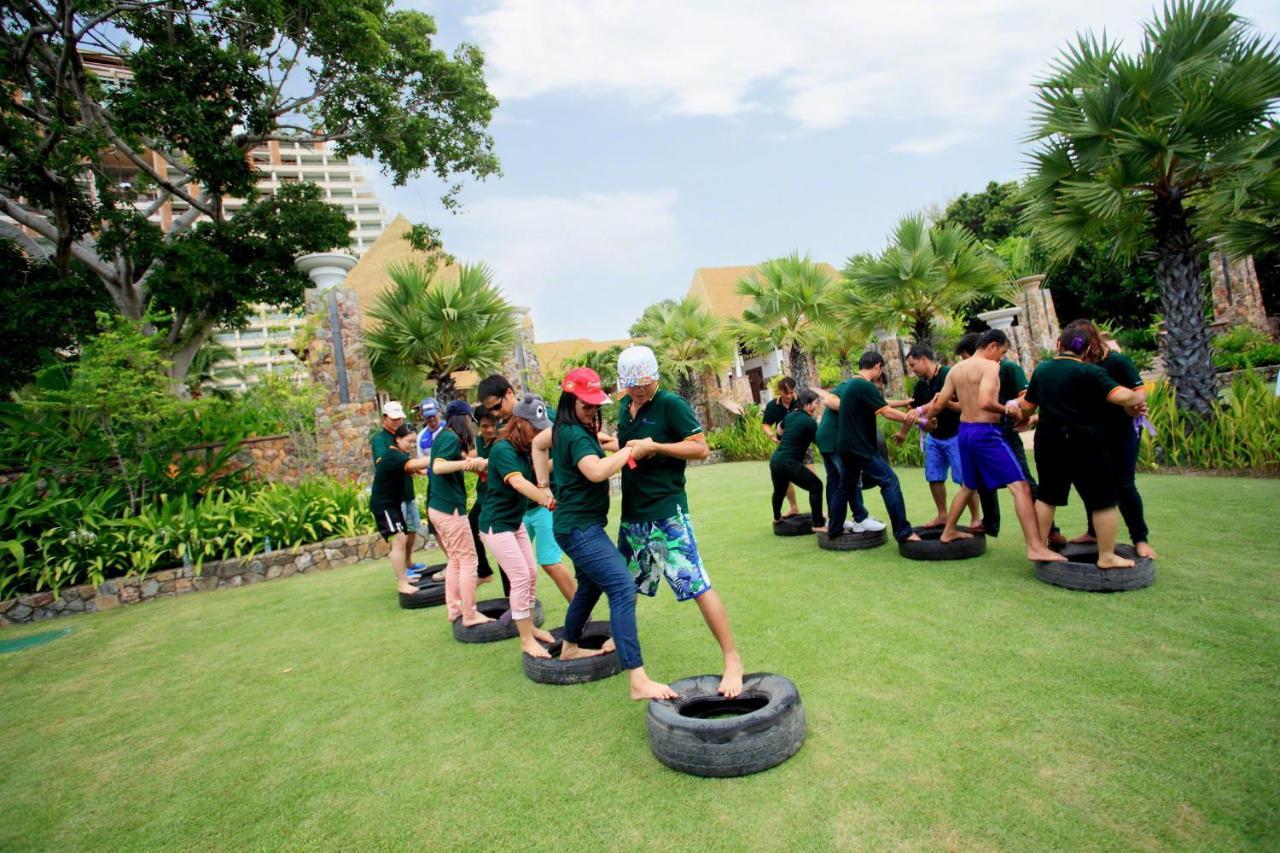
{"x": 962, "y": 706}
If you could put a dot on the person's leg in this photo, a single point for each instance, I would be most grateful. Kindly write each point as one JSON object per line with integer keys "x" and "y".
{"x": 878, "y": 472}
{"x": 848, "y": 483}
{"x": 452, "y": 568}
{"x": 1124, "y": 456}
{"x": 1025, "y": 507}
{"x": 412, "y": 521}
{"x": 1014, "y": 439}
{"x": 398, "y": 564}
{"x": 807, "y": 480}
{"x": 483, "y": 570}
{"x": 989, "y": 501}
{"x": 780, "y": 486}
{"x": 538, "y": 523}
{"x": 688, "y": 578}
{"x": 531, "y": 566}
{"x": 460, "y": 572}
{"x": 835, "y": 483}
{"x": 1107, "y": 522}
{"x": 962, "y": 499}
{"x": 507, "y": 550}
{"x": 791, "y": 501}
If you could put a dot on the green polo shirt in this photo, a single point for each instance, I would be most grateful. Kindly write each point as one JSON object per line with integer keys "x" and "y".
{"x": 1122, "y": 371}
{"x": 776, "y": 413}
{"x": 926, "y": 389}
{"x": 798, "y": 432}
{"x": 1013, "y": 381}
{"x": 482, "y": 479}
{"x": 448, "y": 491}
{"x": 504, "y": 507}
{"x": 579, "y": 502}
{"x": 387, "y": 491}
{"x": 829, "y": 427}
{"x": 379, "y": 443}
{"x": 858, "y": 406}
{"x": 654, "y": 489}
{"x": 1070, "y": 393}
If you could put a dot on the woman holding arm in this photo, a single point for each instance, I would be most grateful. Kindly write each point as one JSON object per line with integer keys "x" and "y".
{"x": 447, "y": 509}
{"x": 386, "y": 498}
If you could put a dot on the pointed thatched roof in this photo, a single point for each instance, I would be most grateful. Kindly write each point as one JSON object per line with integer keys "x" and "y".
{"x": 717, "y": 288}
{"x": 369, "y": 277}
{"x": 553, "y": 354}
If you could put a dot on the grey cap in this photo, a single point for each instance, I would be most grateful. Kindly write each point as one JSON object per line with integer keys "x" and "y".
{"x": 534, "y": 410}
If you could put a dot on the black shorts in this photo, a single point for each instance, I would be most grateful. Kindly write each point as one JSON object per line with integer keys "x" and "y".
{"x": 390, "y": 521}
{"x": 1067, "y": 457}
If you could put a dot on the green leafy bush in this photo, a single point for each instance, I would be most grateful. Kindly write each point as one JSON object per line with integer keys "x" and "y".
{"x": 1243, "y": 348}
{"x": 1244, "y": 435}
{"x": 743, "y": 440}
{"x": 907, "y": 454}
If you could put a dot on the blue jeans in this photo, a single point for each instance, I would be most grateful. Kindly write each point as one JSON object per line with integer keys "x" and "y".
{"x": 841, "y": 493}
{"x": 876, "y": 472}
{"x": 601, "y": 568}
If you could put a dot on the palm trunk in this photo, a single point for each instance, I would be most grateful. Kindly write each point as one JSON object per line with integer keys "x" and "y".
{"x": 800, "y": 368}
{"x": 1177, "y": 255}
{"x": 922, "y": 329}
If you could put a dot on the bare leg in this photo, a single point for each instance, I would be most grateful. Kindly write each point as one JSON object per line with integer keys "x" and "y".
{"x": 572, "y": 651}
{"x": 1105, "y": 522}
{"x": 974, "y": 513}
{"x": 563, "y": 579}
{"x": 528, "y": 641}
{"x": 1026, "y": 510}
{"x": 717, "y": 619}
{"x": 958, "y": 503}
{"x": 644, "y": 687}
{"x": 1144, "y": 549}
{"x": 1044, "y": 515}
{"x": 791, "y": 499}
{"x": 939, "y": 492}
{"x": 398, "y": 563}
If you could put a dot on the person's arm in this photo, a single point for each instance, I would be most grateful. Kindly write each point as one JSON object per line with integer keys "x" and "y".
{"x": 692, "y": 448}
{"x": 541, "y": 453}
{"x": 989, "y": 392}
{"x": 541, "y": 497}
{"x": 598, "y": 470}
{"x": 890, "y": 413}
{"x": 417, "y": 465}
{"x": 899, "y": 404}
{"x": 453, "y": 466}
{"x": 935, "y": 406}
{"x": 1125, "y": 397}
{"x": 608, "y": 442}
{"x": 829, "y": 400}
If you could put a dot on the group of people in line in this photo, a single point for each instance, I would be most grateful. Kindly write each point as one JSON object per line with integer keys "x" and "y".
{"x": 1087, "y": 404}
{"x": 543, "y": 478}
{"x": 529, "y": 462}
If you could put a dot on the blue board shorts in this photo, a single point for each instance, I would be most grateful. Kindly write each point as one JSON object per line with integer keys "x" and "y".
{"x": 412, "y": 518}
{"x": 537, "y": 522}
{"x": 665, "y": 548}
{"x": 986, "y": 458}
{"x": 941, "y": 455}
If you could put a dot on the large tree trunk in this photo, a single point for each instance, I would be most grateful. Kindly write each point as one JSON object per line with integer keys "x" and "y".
{"x": 801, "y": 370}
{"x": 1190, "y": 362}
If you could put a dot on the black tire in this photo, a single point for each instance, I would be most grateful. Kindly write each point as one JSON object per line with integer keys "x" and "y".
{"x": 425, "y": 576}
{"x": 428, "y": 595}
{"x": 931, "y": 547}
{"x": 1081, "y": 571}
{"x": 555, "y": 671}
{"x": 690, "y": 735}
{"x": 852, "y": 541}
{"x": 491, "y": 632}
{"x": 794, "y": 525}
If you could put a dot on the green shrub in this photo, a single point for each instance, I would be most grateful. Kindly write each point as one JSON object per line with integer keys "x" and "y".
{"x": 907, "y": 454}
{"x": 1242, "y": 348}
{"x": 744, "y": 440}
{"x": 1244, "y": 435}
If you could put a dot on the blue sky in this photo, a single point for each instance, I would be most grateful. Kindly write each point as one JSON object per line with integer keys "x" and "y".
{"x": 641, "y": 140}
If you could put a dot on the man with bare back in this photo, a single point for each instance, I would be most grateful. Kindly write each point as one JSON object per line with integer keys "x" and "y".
{"x": 985, "y": 458}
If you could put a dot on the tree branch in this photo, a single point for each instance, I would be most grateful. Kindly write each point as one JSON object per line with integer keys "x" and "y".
{"x": 103, "y": 123}
{"x": 25, "y": 240}
{"x": 42, "y": 226}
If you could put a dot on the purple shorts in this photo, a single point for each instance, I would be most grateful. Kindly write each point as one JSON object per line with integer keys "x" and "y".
{"x": 986, "y": 458}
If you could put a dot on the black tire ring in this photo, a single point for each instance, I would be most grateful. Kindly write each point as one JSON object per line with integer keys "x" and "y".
{"x": 429, "y": 595}
{"x": 491, "y": 632}
{"x": 795, "y": 525}
{"x": 853, "y": 541}
{"x": 931, "y": 546}
{"x": 1081, "y": 571}
{"x": 555, "y": 671}
{"x": 425, "y": 574}
{"x": 771, "y": 729}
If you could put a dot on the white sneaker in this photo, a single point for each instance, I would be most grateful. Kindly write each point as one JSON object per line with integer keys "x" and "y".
{"x": 867, "y": 525}
{"x": 849, "y": 526}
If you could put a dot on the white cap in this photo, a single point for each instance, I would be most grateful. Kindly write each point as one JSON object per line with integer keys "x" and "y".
{"x": 393, "y": 410}
{"x": 637, "y": 365}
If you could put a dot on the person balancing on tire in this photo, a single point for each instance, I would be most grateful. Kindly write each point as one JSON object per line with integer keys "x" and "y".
{"x": 656, "y": 535}
{"x": 786, "y": 466}
{"x": 986, "y": 460}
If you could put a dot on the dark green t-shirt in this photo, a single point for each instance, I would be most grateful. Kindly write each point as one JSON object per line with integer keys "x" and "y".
{"x": 579, "y": 502}
{"x": 776, "y": 413}
{"x": 387, "y": 490}
{"x": 482, "y": 479}
{"x": 1070, "y": 393}
{"x": 798, "y": 432}
{"x": 858, "y": 406}
{"x": 379, "y": 443}
{"x": 829, "y": 426}
{"x": 1013, "y": 381}
{"x": 504, "y": 507}
{"x": 448, "y": 491}
{"x": 654, "y": 489}
{"x": 1123, "y": 372}
{"x": 928, "y": 387}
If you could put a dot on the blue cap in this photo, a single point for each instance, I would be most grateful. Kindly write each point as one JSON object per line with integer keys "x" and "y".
{"x": 429, "y": 407}
{"x": 457, "y": 407}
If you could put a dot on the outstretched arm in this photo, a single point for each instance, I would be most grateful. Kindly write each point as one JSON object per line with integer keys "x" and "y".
{"x": 541, "y": 497}
{"x": 598, "y": 470}
{"x": 693, "y": 447}
{"x": 541, "y": 452}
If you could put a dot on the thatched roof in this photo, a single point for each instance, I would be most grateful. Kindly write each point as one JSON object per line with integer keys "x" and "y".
{"x": 551, "y": 354}
{"x": 369, "y": 277}
{"x": 717, "y": 288}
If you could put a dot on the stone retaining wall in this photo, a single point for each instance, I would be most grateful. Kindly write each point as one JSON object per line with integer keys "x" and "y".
{"x": 214, "y": 574}
{"x": 1267, "y": 373}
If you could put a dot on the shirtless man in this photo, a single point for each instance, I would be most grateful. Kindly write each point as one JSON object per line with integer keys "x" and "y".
{"x": 985, "y": 458}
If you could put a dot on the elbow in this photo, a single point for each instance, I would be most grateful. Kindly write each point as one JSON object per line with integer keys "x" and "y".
{"x": 704, "y": 450}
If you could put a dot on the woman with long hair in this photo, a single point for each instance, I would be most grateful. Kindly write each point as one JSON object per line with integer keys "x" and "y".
{"x": 447, "y": 509}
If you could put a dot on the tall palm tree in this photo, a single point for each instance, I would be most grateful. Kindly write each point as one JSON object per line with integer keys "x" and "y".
{"x": 211, "y": 363}
{"x": 926, "y": 274}
{"x": 692, "y": 344}
{"x": 791, "y": 299}
{"x": 431, "y": 329}
{"x": 1130, "y": 146}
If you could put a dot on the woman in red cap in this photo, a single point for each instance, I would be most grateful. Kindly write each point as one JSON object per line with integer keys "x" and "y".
{"x": 580, "y": 473}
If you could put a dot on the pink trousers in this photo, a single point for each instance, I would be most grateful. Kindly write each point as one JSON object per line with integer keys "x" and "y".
{"x": 460, "y": 570}
{"x": 515, "y": 558}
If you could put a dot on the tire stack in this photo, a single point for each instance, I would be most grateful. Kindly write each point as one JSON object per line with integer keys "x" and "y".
{"x": 1081, "y": 571}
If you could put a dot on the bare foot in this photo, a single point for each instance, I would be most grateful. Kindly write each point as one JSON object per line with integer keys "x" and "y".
{"x": 568, "y": 651}
{"x": 1056, "y": 538}
{"x": 940, "y": 521}
{"x": 1083, "y": 539}
{"x": 407, "y": 589}
{"x": 648, "y": 689}
{"x": 1115, "y": 561}
{"x": 1144, "y": 550}
{"x": 543, "y": 636}
{"x": 485, "y": 579}
{"x": 953, "y": 535}
{"x": 731, "y": 681}
{"x": 912, "y": 538}
{"x": 472, "y": 621}
{"x": 533, "y": 649}
{"x": 608, "y": 646}
{"x": 1041, "y": 554}
{"x": 976, "y": 528}
{"x": 820, "y": 530}
{"x": 438, "y": 577}
{"x": 794, "y": 511}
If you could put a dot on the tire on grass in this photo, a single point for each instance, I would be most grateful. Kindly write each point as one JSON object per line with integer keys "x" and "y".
{"x": 931, "y": 546}
{"x": 425, "y": 575}
{"x": 1081, "y": 571}
{"x": 428, "y": 595}
{"x": 555, "y": 671}
{"x": 704, "y": 734}
{"x": 794, "y": 525}
{"x": 498, "y": 629}
{"x": 853, "y": 541}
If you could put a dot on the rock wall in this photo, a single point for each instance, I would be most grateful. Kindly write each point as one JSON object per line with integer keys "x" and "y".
{"x": 349, "y": 410}
{"x": 1237, "y": 296}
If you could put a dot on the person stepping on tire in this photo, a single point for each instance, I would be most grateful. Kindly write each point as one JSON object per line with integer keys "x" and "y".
{"x": 786, "y": 466}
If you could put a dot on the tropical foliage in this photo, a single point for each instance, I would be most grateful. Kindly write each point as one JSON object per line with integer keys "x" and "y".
{"x": 692, "y": 344}
{"x": 792, "y": 299}
{"x": 1243, "y": 436}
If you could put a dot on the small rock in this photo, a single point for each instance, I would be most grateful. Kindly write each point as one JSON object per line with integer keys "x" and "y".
{"x": 20, "y": 613}
{"x": 274, "y": 572}
{"x": 38, "y": 599}
{"x": 257, "y": 567}
{"x": 105, "y": 602}
{"x": 161, "y": 577}
{"x": 150, "y": 588}
{"x": 182, "y": 585}
{"x": 107, "y": 587}
{"x": 76, "y": 604}
{"x": 87, "y": 591}
{"x": 304, "y": 560}
{"x": 5, "y": 606}
{"x": 130, "y": 595}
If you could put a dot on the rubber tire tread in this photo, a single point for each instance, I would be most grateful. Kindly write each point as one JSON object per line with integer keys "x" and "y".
{"x": 429, "y": 595}
{"x": 734, "y": 746}
{"x": 580, "y": 671}
{"x": 492, "y": 632}
{"x": 853, "y": 541}
{"x": 1081, "y": 572}
{"x": 934, "y": 549}
{"x": 796, "y": 525}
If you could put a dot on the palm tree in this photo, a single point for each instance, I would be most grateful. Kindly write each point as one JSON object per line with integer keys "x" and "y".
{"x": 429, "y": 329}
{"x": 211, "y": 363}
{"x": 791, "y": 299}
{"x": 925, "y": 275}
{"x": 692, "y": 344}
{"x": 1130, "y": 146}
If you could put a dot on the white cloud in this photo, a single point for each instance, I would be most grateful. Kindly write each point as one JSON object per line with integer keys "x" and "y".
{"x": 931, "y": 144}
{"x": 819, "y": 63}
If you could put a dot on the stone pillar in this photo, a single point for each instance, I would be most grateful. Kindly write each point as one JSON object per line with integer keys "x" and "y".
{"x": 1237, "y": 298}
{"x": 1020, "y": 349}
{"x": 1039, "y": 317}
{"x": 523, "y": 367}
{"x": 895, "y": 365}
